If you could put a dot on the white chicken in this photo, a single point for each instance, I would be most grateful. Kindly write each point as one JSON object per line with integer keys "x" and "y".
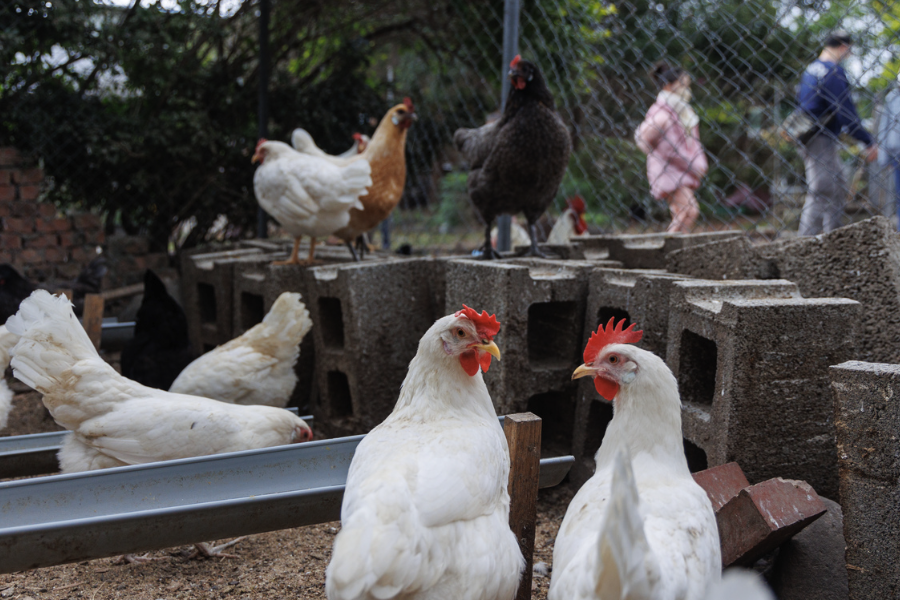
{"x": 308, "y": 195}
{"x": 115, "y": 421}
{"x": 426, "y": 509}
{"x": 7, "y": 341}
{"x": 258, "y": 366}
{"x": 302, "y": 141}
{"x": 569, "y": 224}
{"x": 640, "y": 528}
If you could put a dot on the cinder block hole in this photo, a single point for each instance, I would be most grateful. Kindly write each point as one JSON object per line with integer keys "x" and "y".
{"x": 553, "y": 334}
{"x": 339, "y": 399}
{"x": 697, "y": 372}
{"x": 557, "y": 412}
{"x": 206, "y": 297}
{"x": 252, "y": 309}
{"x": 607, "y": 312}
{"x": 331, "y": 322}
{"x": 696, "y": 457}
{"x": 599, "y": 415}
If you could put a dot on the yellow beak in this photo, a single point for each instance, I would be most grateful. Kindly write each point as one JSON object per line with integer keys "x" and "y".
{"x": 582, "y": 371}
{"x": 255, "y": 158}
{"x": 491, "y": 349}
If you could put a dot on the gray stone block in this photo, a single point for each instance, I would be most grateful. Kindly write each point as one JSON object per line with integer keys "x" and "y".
{"x": 368, "y": 319}
{"x": 866, "y": 417}
{"x": 751, "y": 359}
{"x": 812, "y": 564}
{"x": 648, "y": 250}
{"x": 733, "y": 258}
{"x": 540, "y": 305}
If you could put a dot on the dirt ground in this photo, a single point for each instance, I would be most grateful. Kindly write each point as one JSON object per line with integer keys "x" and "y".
{"x": 280, "y": 564}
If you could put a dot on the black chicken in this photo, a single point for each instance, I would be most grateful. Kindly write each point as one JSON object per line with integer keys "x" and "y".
{"x": 14, "y": 287}
{"x": 517, "y": 163}
{"x": 160, "y": 349}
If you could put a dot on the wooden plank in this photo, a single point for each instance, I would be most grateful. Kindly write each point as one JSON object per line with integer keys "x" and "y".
{"x": 65, "y": 292}
{"x": 523, "y": 434}
{"x": 92, "y": 318}
{"x": 123, "y": 292}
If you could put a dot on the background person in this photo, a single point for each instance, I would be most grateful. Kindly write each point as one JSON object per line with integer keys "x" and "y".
{"x": 889, "y": 139}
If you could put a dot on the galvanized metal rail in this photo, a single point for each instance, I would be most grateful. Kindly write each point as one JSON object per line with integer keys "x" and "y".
{"x": 35, "y": 454}
{"x": 65, "y": 518}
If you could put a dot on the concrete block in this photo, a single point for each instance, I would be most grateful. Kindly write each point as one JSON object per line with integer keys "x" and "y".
{"x": 369, "y": 318}
{"x": 763, "y": 516}
{"x": 649, "y": 250}
{"x": 733, "y": 258}
{"x": 812, "y": 564}
{"x": 722, "y": 483}
{"x": 540, "y": 304}
{"x": 867, "y": 413}
{"x": 751, "y": 359}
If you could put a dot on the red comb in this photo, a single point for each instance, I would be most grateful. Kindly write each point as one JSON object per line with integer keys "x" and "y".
{"x": 486, "y": 325}
{"x": 261, "y": 142}
{"x": 515, "y": 61}
{"x": 576, "y": 203}
{"x": 408, "y": 102}
{"x": 357, "y": 136}
{"x": 611, "y": 335}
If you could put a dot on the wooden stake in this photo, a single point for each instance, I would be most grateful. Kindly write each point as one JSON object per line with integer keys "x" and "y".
{"x": 65, "y": 292}
{"x": 92, "y": 317}
{"x": 523, "y": 434}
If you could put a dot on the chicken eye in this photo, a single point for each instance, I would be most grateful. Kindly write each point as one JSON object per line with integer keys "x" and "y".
{"x": 461, "y": 333}
{"x": 613, "y": 359}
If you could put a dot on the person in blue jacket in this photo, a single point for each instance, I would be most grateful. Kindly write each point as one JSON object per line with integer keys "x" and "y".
{"x": 889, "y": 139}
{"x": 825, "y": 95}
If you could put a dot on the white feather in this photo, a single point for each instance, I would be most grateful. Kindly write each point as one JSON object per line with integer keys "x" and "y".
{"x": 738, "y": 584}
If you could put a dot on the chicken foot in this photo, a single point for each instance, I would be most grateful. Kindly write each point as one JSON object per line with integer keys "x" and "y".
{"x": 487, "y": 251}
{"x": 533, "y": 250}
{"x": 207, "y": 551}
{"x": 295, "y": 259}
{"x": 132, "y": 559}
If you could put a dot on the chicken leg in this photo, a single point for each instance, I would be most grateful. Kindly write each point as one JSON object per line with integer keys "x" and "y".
{"x": 488, "y": 252}
{"x": 205, "y": 550}
{"x": 533, "y": 250}
{"x": 295, "y": 259}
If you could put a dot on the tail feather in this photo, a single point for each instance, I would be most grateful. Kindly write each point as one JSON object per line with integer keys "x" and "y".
{"x": 284, "y": 327}
{"x": 357, "y": 177}
{"x": 51, "y": 340}
{"x": 626, "y": 566}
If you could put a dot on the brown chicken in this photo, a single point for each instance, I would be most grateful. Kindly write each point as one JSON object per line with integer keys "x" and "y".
{"x": 386, "y": 153}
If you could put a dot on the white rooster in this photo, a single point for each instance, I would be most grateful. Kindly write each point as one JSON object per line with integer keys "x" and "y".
{"x": 115, "y": 421}
{"x": 7, "y": 341}
{"x": 569, "y": 224}
{"x": 302, "y": 141}
{"x": 308, "y": 195}
{"x": 426, "y": 509}
{"x": 258, "y": 366}
{"x": 640, "y": 528}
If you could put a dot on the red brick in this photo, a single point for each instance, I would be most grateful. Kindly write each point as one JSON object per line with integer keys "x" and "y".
{"x": 54, "y": 225}
{"x": 84, "y": 254}
{"x": 94, "y": 236}
{"x": 9, "y": 156}
{"x": 722, "y": 483}
{"x": 46, "y": 209}
{"x": 71, "y": 238}
{"x": 44, "y": 240}
{"x": 18, "y": 225}
{"x": 764, "y": 516}
{"x": 34, "y": 175}
{"x": 5, "y": 176}
{"x": 7, "y": 193}
{"x": 10, "y": 241}
{"x": 55, "y": 254}
{"x": 4, "y": 209}
{"x": 20, "y": 208}
{"x": 7, "y": 256}
{"x": 31, "y": 255}
{"x": 29, "y": 192}
{"x": 85, "y": 222}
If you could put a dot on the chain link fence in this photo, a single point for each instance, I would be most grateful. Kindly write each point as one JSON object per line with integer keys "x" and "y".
{"x": 145, "y": 112}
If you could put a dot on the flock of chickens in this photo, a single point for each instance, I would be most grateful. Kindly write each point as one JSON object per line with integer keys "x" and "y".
{"x": 425, "y": 514}
{"x": 515, "y": 166}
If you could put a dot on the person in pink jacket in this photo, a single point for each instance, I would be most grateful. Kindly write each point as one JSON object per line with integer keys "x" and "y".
{"x": 669, "y": 136}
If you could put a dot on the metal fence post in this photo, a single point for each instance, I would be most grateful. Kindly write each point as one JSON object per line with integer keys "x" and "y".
{"x": 510, "y": 49}
{"x": 263, "y": 114}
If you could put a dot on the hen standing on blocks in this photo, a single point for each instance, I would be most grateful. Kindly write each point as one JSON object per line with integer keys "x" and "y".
{"x": 425, "y": 514}
{"x": 517, "y": 163}
{"x": 640, "y": 528}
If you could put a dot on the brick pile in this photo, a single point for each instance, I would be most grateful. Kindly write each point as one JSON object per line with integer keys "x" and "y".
{"x": 34, "y": 236}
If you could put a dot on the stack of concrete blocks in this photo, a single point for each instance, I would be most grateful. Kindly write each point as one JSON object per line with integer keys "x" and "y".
{"x": 866, "y": 416}
{"x": 368, "y": 319}
{"x": 541, "y": 306}
{"x": 751, "y": 359}
{"x": 644, "y": 251}
{"x": 860, "y": 262}
{"x": 641, "y": 297}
